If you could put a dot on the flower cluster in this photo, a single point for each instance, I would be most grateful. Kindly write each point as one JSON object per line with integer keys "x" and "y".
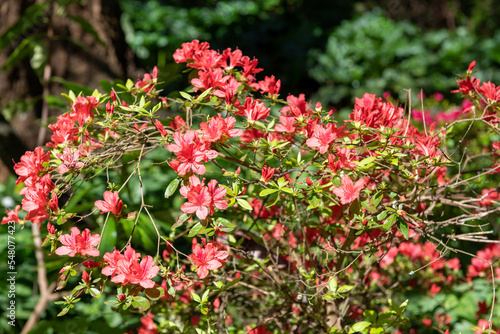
{"x": 210, "y": 256}
{"x": 126, "y": 269}
{"x": 77, "y": 242}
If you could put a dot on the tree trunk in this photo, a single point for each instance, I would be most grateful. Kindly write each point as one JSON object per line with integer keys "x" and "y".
{"x": 84, "y": 45}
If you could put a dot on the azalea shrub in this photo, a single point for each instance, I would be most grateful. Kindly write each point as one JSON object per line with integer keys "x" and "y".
{"x": 282, "y": 218}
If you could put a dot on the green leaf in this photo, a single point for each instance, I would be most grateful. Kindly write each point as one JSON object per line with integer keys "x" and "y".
{"x": 332, "y": 284}
{"x": 140, "y": 303}
{"x": 403, "y": 228}
{"x": 24, "y": 49}
{"x": 204, "y": 94}
{"x": 64, "y": 311}
{"x": 244, "y": 204}
{"x": 389, "y": 222}
{"x": 181, "y": 220}
{"x": 366, "y": 162}
{"x": 232, "y": 283}
{"x": 377, "y": 330}
{"x": 172, "y": 187}
{"x": 129, "y": 84}
{"x": 26, "y": 24}
{"x": 155, "y": 293}
{"x": 345, "y": 288}
{"x": 196, "y": 229}
{"x": 359, "y": 326}
{"x": 266, "y": 192}
{"x": 111, "y": 303}
{"x": 377, "y": 198}
{"x": 186, "y": 96}
{"x": 382, "y": 215}
{"x": 95, "y": 292}
{"x": 195, "y": 297}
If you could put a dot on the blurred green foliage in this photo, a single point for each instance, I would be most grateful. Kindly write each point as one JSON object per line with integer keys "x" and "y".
{"x": 278, "y": 33}
{"x": 375, "y": 54}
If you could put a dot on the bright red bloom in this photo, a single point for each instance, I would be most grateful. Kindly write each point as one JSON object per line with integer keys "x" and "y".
{"x": 271, "y": 86}
{"x": 219, "y": 129}
{"x": 258, "y": 330}
{"x": 233, "y": 57}
{"x": 51, "y": 229}
{"x": 79, "y": 243}
{"x": 198, "y": 197}
{"x": 252, "y": 109}
{"x": 489, "y": 91}
{"x": 323, "y": 137}
{"x": 148, "y": 325}
{"x": 91, "y": 264}
{"x": 126, "y": 269}
{"x": 64, "y": 130}
{"x": 112, "y": 203}
{"x": 12, "y": 215}
{"x": 209, "y": 79}
{"x": 428, "y": 146}
{"x": 85, "y": 277}
{"x": 267, "y": 172}
{"x": 211, "y": 257}
{"x": 189, "y": 50}
{"x": 148, "y": 82}
{"x": 488, "y": 195}
{"x": 36, "y": 198}
{"x": 83, "y": 108}
{"x": 228, "y": 90}
{"x": 31, "y": 164}
{"x": 344, "y": 161}
{"x": 348, "y": 191}
{"x": 467, "y": 86}
{"x": 375, "y": 113}
{"x": 161, "y": 128}
{"x": 217, "y": 197}
{"x": 191, "y": 151}
{"x": 250, "y": 66}
{"x": 286, "y": 124}
{"x": 206, "y": 60}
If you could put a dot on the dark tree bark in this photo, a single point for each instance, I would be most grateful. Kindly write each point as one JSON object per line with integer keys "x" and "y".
{"x": 75, "y": 54}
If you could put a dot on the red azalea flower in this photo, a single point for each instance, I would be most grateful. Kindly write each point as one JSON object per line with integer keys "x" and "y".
{"x": 198, "y": 197}
{"x": 253, "y": 110}
{"x": 160, "y": 128}
{"x": 189, "y": 50}
{"x": 219, "y": 129}
{"x": 31, "y": 164}
{"x": 348, "y": 191}
{"x": 209, "y": 258}
{"x": 217, "y": 196}
{"x": 126, "y": 269}
{"x": 12, "y": 215}
{"x": 64, "y": 130}
{"x": 228, "y": 90}
{"x": 79, "y": 243}
{"x": 148, "y": 325}
{"x": 82, "y": 109}
{"x": 270, "y": 85}
{"x": 111, "y": 203}
{"x": 258, "y": 330}
{"x": 191, "y": 151}
{"x": 267, "y": 172}
{"x": 323, "y": 137}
